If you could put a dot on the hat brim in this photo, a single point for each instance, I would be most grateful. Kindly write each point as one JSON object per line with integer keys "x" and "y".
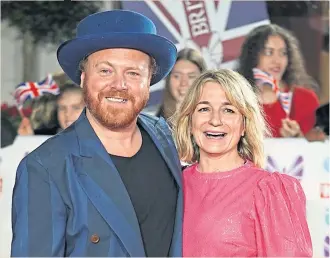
{"x": 71, "y": 52}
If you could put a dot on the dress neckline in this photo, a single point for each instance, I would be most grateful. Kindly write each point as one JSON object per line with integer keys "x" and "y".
{"x": 219, "y": 175}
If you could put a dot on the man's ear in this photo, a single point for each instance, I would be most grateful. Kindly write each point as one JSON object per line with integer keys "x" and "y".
{"x": 82, "y": 78}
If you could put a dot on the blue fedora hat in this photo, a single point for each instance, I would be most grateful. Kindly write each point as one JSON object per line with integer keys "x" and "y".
{"x": 116, "y": 29}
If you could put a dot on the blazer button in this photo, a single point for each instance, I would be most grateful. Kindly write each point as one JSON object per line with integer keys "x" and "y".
{"x": 95, "y": 239}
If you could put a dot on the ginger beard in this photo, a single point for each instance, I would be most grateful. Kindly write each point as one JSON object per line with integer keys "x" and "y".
{"x": 113, "y": 116}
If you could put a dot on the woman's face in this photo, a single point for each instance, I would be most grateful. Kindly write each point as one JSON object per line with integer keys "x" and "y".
{"x": 273, "y": 59}
{"x": 181, "y": 78}
{"x": 216, "y": 124}
{"x": 69, "y": 107}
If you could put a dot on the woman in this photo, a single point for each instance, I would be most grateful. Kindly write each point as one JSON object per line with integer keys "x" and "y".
{"x": 70, "y": 103}
{"x": 274, "y": 52}
{"x": 233, "y": 207}
{"x": 189, "y": 65}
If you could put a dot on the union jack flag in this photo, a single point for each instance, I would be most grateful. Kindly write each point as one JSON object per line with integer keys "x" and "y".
{"x": 296, "y": 169}
{"x": 216, "y": 28}
{"x": 31, "y": 90}
{"x": 285, "y": 98}
{"x": 286, "y": 101}
{"x": 262, "y": 78}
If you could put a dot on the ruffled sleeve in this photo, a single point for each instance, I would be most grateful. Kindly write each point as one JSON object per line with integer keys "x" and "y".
{"x": 280, "y": 217}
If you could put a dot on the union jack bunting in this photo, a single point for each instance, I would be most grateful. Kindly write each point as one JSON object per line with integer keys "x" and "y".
{"x": 216, "y": 28}
{"x": 31, "y": 90}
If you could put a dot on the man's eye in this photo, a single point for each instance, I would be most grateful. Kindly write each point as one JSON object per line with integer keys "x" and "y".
{"x": 134, "y": 74}
{"x": 105, "y": 71}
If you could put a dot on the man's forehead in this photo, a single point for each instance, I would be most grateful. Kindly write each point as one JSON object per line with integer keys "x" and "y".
{"x": 120, "y": 54}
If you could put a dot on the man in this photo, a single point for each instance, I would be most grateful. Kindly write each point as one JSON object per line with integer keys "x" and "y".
{"x": 110, "y": 184}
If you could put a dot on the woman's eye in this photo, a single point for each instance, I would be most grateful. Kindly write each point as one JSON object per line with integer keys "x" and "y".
{"x": 268, "y": 52}
{"x": 228, "y": 110}
{"x": 284, "y": 53}
{"x": 203, "y": 109}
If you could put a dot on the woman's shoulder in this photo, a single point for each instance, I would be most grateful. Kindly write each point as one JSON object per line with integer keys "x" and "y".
{"x": 276, "y": 183}
{"x": 187, "y": 167}
{"x": 306, "y": 99}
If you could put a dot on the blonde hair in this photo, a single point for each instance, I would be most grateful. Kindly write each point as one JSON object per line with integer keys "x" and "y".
{"x": 43, "y": 114}
{"x": 241, "y": 95}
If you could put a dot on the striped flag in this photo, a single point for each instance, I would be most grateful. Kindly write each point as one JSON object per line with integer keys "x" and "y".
{"x": 286, "y": 101}
{"x": 31, "y": 90}
{"x": 285, "y": 98}
{"x": 263, "y": 78}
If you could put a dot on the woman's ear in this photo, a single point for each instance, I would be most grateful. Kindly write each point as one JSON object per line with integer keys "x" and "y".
{"x": 244, "y": 126}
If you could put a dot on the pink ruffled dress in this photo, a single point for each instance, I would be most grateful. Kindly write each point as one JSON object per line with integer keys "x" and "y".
{"x": 244, "y": 212}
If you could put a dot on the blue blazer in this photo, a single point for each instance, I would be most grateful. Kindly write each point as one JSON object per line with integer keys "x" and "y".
{"x": 69, "y": 199}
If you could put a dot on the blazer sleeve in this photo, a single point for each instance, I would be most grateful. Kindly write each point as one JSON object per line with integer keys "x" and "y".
{"x": 38, "y": 213}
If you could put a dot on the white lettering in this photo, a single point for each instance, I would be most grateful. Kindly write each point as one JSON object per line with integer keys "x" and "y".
{"x": 195, "y": 6}
{"x": 199, "y": 29}
{"x": 197, "y": 17}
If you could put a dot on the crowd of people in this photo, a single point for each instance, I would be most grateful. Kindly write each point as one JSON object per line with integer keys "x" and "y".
{"x": 188, "y": 181}
{"x": 270, "y": 60}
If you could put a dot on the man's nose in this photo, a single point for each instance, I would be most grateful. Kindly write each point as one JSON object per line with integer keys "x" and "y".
{"x": 119, "y": 82}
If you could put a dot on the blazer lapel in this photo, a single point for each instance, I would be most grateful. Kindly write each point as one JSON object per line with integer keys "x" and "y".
{"x": 162, "y": 138}
{"x": 166, "y": 147}
{"x": 103, "y": 185}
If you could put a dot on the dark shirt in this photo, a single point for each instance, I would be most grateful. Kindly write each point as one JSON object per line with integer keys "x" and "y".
{"x": 153, "y": 193}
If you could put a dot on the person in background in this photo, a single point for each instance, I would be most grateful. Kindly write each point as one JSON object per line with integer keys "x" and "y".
{"x": 43, "y": 119}
{"x": 233, "y": 207}
{"x": 70, "y": 104}
{"x": 271, "y": 60}
{"x": 320, "y": 131}
{"x": 8, "y": 132}
{"x": 188, "y": 66}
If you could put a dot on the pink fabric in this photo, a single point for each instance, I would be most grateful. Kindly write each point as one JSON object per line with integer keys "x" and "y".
{"x": 244, "y": 212}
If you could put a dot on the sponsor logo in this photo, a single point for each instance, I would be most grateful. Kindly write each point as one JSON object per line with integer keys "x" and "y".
{"x": 296, "y": 169}
{"x": 326, "y": 164}
{"x": 326, "y": 246}
{"x": 325, "y": 190}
